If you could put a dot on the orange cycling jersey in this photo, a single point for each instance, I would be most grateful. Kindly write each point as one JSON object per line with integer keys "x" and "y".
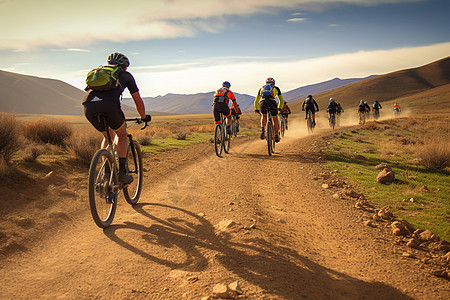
{"x": 223, "y": 95}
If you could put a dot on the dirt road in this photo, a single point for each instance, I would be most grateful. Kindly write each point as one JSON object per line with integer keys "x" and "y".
{"x": 284, "y": 237}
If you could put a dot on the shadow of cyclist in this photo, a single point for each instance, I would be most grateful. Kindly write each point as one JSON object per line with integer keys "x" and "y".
{"x": 276, "y": 269}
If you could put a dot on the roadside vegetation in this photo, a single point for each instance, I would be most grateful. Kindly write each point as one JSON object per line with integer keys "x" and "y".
{"x": 418, "y": 151}
{"x": 29, "y": 139}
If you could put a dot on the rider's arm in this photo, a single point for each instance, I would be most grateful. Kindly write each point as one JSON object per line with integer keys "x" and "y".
{"x": 140, "y": 106}
{"x": 280, "y": 98}
{"x": 315, "y": 104}
{"x": 257, "y": 98}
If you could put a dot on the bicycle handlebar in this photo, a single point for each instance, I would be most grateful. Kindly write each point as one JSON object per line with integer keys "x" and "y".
{"x": 138, "y": 121}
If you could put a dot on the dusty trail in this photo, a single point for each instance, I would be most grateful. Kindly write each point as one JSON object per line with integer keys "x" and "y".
{"x": 290, "y": 240}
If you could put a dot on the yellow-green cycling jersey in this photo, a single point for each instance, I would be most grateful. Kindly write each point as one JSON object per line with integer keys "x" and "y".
{"x": 276, "y": 93}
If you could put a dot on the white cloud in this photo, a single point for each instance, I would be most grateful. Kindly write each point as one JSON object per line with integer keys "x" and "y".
{"x": 297, "y": 20}
{"x": 69, "y": 24}
{"x": 334, "y": 25}
{"x": 247, "y": 77}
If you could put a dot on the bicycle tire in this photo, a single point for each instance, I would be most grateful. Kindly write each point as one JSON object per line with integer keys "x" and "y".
{"x": 234, "y": 126}
{"x": 332, "y": 121}
{"x": 270, "y": 137}
{"x": 102, "y": 194}
{"x": 226, "y": 141}
{"x": 283, "y": 126}
{"x": 218, "y": 145}
{"x": 132, "y": 191}
{"x": 309, "y": 124}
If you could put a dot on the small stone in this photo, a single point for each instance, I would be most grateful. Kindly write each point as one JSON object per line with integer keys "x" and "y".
{"x": 386, "y": 176}
{"x": 408, "y": 255}
{"x": 336, "y": 196}
{"x": 235, "y": 287}
{"x": 221, "y": 290}
{"x": 325, "y": 186}
{"x": 424, "y": 189}
{"x": 370, "y": 223}
{"x": 201, "y": 215}
{"x": 412, "y": 200}
{"x": 413, "y": 243}
{"x": 225, "y": 224}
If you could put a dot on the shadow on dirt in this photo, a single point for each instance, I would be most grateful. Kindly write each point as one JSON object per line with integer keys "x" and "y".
{"x": 275, "y": 269}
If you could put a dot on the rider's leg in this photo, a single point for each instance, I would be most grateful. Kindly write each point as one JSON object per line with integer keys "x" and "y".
{"x": 276, "y": 124}
{"x": 122, "y": 145}
{"x": 263, "y": 124}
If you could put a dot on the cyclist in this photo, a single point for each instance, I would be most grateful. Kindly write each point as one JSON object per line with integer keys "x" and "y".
{"x": 338, "y": 113}
{"x": 236, "y": 111}
{"x": 376, "y": 108}
{"x": 108, "y": 103}
{"x": 332, "y": 108}
{"x": 265, "y": 101}
{"x": 220, "y": 104}
{"x": 361, "y": 107}
{"x": 308, "y": 105}
{"x": 397, "y": 108}
{"x": 285, "y": 112}
{"x": 367, "y": 107}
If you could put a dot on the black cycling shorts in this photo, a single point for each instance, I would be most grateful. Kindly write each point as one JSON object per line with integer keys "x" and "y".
{"x": 110, "y": 108}
{"x": 220, "y": 107}
{"x": 310, "y": 108}
{"x": 266, "y": 106}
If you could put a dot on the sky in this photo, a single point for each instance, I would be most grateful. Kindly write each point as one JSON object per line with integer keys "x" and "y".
{"x": 192, "y": 46}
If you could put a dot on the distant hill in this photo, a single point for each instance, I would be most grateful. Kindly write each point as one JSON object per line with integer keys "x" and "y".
{"x": 391, "y": 86}
{"x": 201, "y": 103}
{"x": 313, "y": 89}
{"x": 30, "y": 94}
{"x": 24, "y": 94}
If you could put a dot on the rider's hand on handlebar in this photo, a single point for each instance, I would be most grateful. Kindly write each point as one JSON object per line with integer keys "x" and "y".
{"x": 147, "y": 118}
{"x": 257, "y": 111}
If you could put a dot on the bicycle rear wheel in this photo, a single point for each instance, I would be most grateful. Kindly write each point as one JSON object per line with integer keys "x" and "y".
{"x": 270, "y": 138}
{"x": 332, "y": 121}
{"x": 132, "y": 191}
{"x": 233, "y": 126}
{"x": 102, "y": 188}
{"x": 218, "y": 137}
{"x": 226, "y": 141}
{"x": 309, "y": 124}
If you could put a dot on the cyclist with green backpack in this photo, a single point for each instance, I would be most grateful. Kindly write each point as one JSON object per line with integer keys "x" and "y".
{"x": 265, "y": 102}
{"x": 105, "y": 86}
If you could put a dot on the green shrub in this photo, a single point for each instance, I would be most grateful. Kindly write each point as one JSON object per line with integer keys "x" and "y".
{"x": 47, "y": 131}
{"x": 9, "y": 136}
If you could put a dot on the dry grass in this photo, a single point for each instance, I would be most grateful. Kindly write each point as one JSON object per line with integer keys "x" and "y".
{"x": 47, "y": 131}
{"x": 82, "y": 146}
{"x": 9, "y": 136}
{"x": 32, "y": 152}
{"x": 434, "y": 153}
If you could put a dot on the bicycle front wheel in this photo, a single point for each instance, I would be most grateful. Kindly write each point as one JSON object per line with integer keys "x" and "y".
{"x": 282, "y": 126}
{"x": 218, "y": 137}
{"x": 102, "y": 188}
{"x": 132, "y": 191}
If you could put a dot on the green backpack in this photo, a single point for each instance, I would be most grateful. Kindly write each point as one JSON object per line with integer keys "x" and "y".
{"x": 103, "y": 78}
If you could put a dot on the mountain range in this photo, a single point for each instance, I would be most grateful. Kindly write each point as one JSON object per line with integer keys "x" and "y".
{"x": 33, "y": 95}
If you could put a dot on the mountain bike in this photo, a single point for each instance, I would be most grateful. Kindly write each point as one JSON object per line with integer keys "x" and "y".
{"x": 310, "y": 122}
{"x": 222, "y": 139}
{"x": 396, "y": 112}
{"x": 362, "y": 118}
{"x": 283, "y": 125}
{"x": 104, "y": 183}
{"x": 233, "y": 125}
{"x": 270, "y": 135}
{"x": 332, "y": 120}
{"x": 376, "y": 114}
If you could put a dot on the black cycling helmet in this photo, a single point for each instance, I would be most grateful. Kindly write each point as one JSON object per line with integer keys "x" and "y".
{"x": 309, "y": 96}
{"x": 226, "y": 84}
{"x": 119, "y": 59}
